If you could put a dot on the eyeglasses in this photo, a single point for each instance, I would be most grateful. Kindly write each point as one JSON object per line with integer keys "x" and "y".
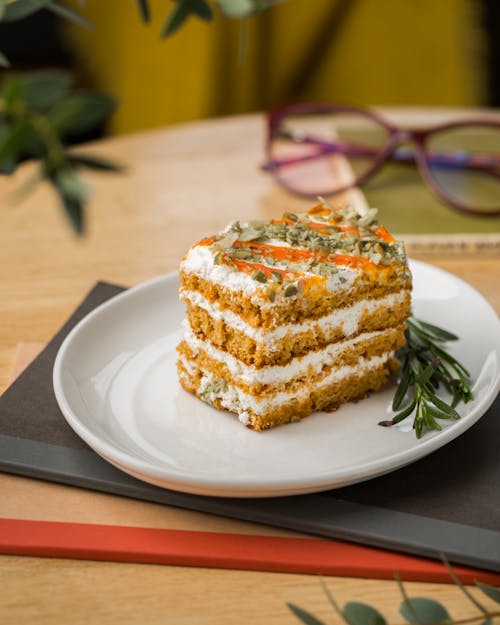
{"x": 324, "y": 149}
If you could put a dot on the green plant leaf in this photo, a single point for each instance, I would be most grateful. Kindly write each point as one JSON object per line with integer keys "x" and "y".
{"x": 69, "y": 14}
{"x": 181, "y": 11}
{"x": 356, "y": 613}
{"x": 303, "y": 615}
{"x": 41, "y": 90}
{"x": 74, "y": 212}
{"x": 244, "y": 8}
{"x": 4, "y": 61}
{"x": 95, "y": 162}
{"x": 12, "y": 139}
{"x": 144, "y": 11}
{"x": 71, "y": 185}
{"x": 20, "y": 9}
{"x": 81, "y": 112}
{"x": 442, "y": 405}
{"x": 492, "y": 592}
{"x": 422, "y": 611}
{"x": 401, "y": 416}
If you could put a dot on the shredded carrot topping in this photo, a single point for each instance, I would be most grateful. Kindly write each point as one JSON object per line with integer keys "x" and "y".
{"x": 206, "y": 241}
{"x": 382, "y": 233}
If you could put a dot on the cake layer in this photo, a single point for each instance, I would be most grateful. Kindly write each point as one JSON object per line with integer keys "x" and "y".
{"x": 314, "y": 302}
{"x": 255, "y": 346}
{"x": 296, "y": 268}
{"x": 343, "y": 384}
{"x": 312, "y": 367}
{"x": 293, "y": 315}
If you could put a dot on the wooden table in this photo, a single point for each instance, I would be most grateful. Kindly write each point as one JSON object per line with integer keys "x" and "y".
{"x": 181, "y": 184}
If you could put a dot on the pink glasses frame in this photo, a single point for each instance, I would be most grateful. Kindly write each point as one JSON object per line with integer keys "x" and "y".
{"x": 396, "y": 135}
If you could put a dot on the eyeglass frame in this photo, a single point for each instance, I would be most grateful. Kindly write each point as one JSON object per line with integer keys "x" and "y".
{"x": 396, "y": 135}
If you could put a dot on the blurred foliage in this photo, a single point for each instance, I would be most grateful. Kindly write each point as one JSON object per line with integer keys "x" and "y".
{"x": 415, "y": 610}
{"x": 41, "y": 115}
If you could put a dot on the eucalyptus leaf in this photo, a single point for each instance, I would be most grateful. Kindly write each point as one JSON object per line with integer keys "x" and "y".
{"x": 303, "y": 615}
{"x": 12, "y": 140}
{"x": 95, "y": 162}
{"x": 81, "y": 112}
{"x": 144, "y": 10}
{"x": 237, "y": 8}
{"x": 12, "y": 93}
{"x": 493, "y": 592}
{"x": 244, "y": 8}
{"x": 74, "y": 212}
{"x": 20, "y": 9}
{"x": 181, "y": 11}
{"x": 68, "y": 13}
{"x": 71, "y": 185}
{"x": 201, "y": 8}
{"x": 356, "y": 613}
{"x": 42, "y": 89}
{"x": 422, "y": 611}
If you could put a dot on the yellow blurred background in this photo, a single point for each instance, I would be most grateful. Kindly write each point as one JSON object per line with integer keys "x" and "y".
{"x": 376, "y": 52}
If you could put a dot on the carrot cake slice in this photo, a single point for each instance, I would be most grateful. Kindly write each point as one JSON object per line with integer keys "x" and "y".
{"x": 293, "y": 315}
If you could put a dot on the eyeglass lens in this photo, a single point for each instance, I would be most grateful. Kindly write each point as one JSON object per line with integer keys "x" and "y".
{"x": 336, "y": 151}
{"x": 319, "y": 154}
{"x": 464, "y": 162}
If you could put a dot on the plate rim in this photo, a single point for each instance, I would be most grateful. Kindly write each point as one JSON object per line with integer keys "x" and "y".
{"x": 245, "y": 486}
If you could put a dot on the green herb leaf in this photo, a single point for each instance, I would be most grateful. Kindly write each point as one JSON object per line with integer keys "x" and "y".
{"x": 41, "y": 90}
{"x": 4, "y": 61}
{"x": 69, "y": 14}
{"x": 95, "y": 162}
{"x": 404, "y": 413}
{"x": 144, "y": 11}
{"x": 80, "y": 112}
{"x": 490, "y": 591}
{"x": 74, "y": 211}
{"x": 20, "y": 9}
{"x": 181, "y": 11}
{"x": 425, "y": 366}
{"x": 303, "y": 615}
{"x": 12, "y": 140}
{"x": 356, "y": 613}
{"x": 442, "y": 405}
{"x": 243, "y": 8}
{"x": 422, "y": 611}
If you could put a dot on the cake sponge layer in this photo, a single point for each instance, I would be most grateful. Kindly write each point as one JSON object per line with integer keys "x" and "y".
{"x": 262, "y": 349}
{"x": 354, "y": 384}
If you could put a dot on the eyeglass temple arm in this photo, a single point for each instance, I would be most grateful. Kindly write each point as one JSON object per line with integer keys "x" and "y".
{"x": 489, "y": 163}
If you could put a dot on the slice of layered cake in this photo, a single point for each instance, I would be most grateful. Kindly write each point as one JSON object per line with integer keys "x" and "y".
{"x": 294, "y": 315}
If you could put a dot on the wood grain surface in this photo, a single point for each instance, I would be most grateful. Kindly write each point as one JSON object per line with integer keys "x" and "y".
{"x": 181, "y": 184}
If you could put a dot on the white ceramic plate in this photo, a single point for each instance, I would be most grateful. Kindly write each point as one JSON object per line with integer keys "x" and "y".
{"x": 116, "y": 384}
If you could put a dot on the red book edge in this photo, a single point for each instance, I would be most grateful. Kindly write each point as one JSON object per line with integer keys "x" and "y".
{"x": 221, "y": 550}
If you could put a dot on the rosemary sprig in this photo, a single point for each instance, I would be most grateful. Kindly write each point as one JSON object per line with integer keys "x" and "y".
{"x": 426, "y": 365}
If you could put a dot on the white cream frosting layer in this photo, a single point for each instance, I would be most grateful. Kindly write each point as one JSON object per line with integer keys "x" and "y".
{"x": 236, "y": 400}
{"x": 347, "y": 318}
{"x": 200, "y": 261}
{"x": 311, "y": 364}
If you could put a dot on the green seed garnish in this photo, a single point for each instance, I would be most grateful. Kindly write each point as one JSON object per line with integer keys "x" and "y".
{"x": 291, "y": 290}
{"x": 259, "y": 276}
